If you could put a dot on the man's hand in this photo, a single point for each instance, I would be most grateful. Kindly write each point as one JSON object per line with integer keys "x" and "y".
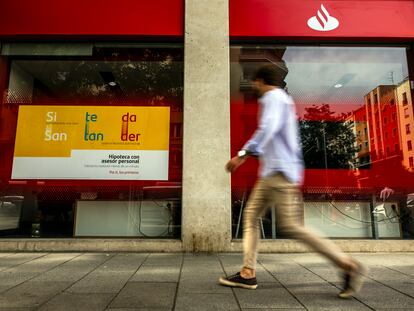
{"x": 234, "y": 163}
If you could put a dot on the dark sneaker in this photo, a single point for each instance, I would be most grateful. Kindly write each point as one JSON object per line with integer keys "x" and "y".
{"x": 238, "y": 281}
{"x": 353, "y": 282}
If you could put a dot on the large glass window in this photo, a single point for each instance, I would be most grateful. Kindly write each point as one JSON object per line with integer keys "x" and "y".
{"x": 91, "y": 140}
{"x": 352, "y": 108}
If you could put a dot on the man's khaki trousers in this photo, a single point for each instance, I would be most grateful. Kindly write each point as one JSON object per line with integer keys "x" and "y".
{"x": 286, "y": 197}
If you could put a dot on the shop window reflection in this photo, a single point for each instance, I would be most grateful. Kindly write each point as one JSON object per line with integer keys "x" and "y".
{"x": 354, "y": 134}
{"x": 109, "y": 75}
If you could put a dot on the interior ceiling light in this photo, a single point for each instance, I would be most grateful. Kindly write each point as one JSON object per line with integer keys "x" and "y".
{"x": 344, "y": 80}
{"x": 112, "y": 83}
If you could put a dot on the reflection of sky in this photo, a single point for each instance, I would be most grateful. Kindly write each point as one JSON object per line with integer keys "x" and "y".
{"x": 313, "y": 72}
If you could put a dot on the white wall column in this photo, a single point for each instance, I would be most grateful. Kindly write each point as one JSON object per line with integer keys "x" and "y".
{"x": 206, "y": 210}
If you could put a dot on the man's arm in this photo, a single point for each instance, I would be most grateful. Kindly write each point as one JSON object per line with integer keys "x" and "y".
{"x": 270, "y": 122}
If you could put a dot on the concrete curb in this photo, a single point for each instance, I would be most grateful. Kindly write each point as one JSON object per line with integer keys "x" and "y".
{"x": 349, "y": 246}
{"x": 174, "y": 246}
{"x": 89, "y": 245}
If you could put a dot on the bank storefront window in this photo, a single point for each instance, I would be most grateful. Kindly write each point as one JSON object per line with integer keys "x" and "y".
{"x": 91, "y": 140}
{"x": 351, "y": 104}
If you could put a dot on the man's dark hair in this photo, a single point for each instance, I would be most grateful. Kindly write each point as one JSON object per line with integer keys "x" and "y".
{"x": 273, "y": 74}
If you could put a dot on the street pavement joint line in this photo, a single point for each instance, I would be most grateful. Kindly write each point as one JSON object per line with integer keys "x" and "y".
{"x": 406, "y": 274}
{"x": 178, "y": 283}
{"x": 386, "y": 285}
{"x": 24, "y": 262}
{"x": 63, "y": 290}
{"x": 41, "y": 272}
{"x": 372, "y": 279}
{"x": 333, "y": 284}
{"x": 283, "y": 285}
{"x": 132, "y": 274}
{"x": 232, "y": 288}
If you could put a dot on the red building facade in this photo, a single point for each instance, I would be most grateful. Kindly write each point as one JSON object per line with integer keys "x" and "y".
{"x": 350, "y": 73}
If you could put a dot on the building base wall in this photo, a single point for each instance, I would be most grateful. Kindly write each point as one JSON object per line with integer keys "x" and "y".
{"x": 89, "y": 245}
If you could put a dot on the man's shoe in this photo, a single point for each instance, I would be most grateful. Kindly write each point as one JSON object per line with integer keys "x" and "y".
{"x": 237, "y": 280}
{"x": 353, "y": 281}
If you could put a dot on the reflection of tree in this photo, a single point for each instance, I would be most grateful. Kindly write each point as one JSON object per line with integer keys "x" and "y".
{"x": 149, "y": 75}
{"x": 327, "y": 140}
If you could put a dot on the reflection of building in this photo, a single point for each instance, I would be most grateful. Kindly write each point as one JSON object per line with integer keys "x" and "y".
{"x": 360, "y": 128}
{"x": 384, "y": 126}
{"x": 390, "y": 121}
{"x": 381, "y": 111}
{"x": 405, "y": 116}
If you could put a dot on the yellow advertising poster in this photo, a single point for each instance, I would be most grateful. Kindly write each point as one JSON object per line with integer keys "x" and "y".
{"x": 92, "y": 142}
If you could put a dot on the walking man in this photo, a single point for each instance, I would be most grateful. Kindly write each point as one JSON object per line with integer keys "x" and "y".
{"x": 277, "y": 145}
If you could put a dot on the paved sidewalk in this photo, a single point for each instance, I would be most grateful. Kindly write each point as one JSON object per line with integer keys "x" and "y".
{"x": 158, "y": 282}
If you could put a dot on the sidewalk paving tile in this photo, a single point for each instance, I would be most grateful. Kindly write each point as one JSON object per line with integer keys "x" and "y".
{"x": 163, "y": 274}
{"x": 31, "y": 294}
{"x": 148, "y": 295}
{"x": 267, "y": 295}
{"x": 404, "y": 269}
{"x": 74, "y": 269}
{"x": 28, "y": 270}
{"x": 164, "y": 259}
{"x": 181, "y": 282}
{"x": 396, "y": 280}
{"x": 276, "y": 309}
{"x": 139, "y": 309}
{"x": 111, "y": 276}
{"x": 77, "y": 302}
{"x": 202, "y": 284}
{"x": 379, "y": 296}
{"x": 206, "y": 302}
{"x": 18, "y": 259}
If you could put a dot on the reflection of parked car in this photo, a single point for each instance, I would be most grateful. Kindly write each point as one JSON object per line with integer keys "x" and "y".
{"x": 10, "y": 211}
{"x": 406, "y": 211}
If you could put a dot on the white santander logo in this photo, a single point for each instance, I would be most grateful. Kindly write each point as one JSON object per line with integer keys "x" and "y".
{"x": 323, "y": 21}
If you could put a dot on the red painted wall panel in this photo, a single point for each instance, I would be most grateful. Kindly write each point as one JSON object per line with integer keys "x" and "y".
{"x": 91, "y": 17}
{"x": 289, "y": 18}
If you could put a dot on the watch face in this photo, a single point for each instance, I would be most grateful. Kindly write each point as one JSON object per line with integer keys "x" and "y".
{"x": 241, "y": 153}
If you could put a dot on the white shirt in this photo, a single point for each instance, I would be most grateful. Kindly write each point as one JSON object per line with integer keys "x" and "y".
{"x": 276, "y": 140}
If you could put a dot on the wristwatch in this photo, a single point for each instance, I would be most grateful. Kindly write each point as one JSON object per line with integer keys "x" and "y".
{"x": 242, "y": 153}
